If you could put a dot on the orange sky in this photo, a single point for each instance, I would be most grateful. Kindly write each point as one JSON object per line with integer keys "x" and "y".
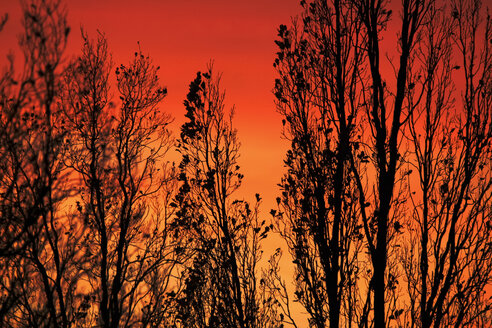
{"x": 182, "y": 37}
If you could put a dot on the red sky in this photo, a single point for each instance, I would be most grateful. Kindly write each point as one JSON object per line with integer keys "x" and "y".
{"x": 182, "y": 37}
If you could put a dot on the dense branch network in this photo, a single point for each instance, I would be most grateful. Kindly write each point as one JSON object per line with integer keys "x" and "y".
{"x": 385, "y": 206}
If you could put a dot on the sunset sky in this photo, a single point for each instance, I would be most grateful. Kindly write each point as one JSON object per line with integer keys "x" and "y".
{"x": 182, "y": 37}
{"x": 375, "y": 234}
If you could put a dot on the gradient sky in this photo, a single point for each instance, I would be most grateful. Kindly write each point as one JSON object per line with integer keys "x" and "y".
{"x": 182, "y": 37}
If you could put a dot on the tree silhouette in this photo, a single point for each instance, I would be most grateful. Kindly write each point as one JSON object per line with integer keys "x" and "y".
{"x": 118, "y": 154}
{"x": 319, "y": 63}
{"x": 221, "y": 279}
{"x": 386, "y": 115}
{"x": 385, "y": 205}
{"x": 330, "y": 77}
{"x": 85, "y": 185}
{"x": 448, "y": 258}
{"x": 37, "y": 255}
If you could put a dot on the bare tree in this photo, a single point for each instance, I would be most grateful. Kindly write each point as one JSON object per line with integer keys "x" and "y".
{"x": 386, "y": 115}
{"x": 37, "y": 253}
{"x": 448, "y": 261}
{"x": 450, "y": 254}
{"x": 221, "y": 284}
{"x": 118, "y": 153}
{"x": 320, "y": 63}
